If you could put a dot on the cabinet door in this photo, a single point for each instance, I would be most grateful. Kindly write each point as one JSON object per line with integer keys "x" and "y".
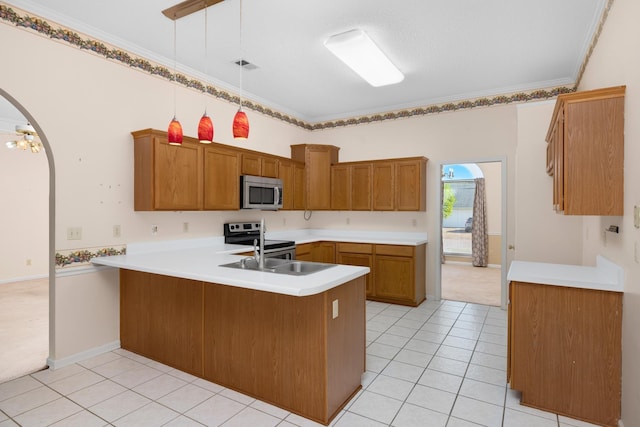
{"x": 221, "y": 179}
{"x": 558, "y": 164}
{"x": 324, "y": 252}
{"x": 285, "y": 172}
{"x": 361, "y": 175}
{"x": 410, "y": 185}
{"x": 383, "y": 186}
{"x": 177, "y": 176}
{"x": 340, "y": 187}
{"x": 394, "y": 278}
{"x": 303, "y": 252}
{"x": 299, "y": 187}
{"x": 269, "y": 167}
{"x": 318, "y": 178}
{"x": 361, "y": 260}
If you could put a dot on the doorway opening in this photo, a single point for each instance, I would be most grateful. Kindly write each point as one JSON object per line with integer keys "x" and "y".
{"x": 471, "y": 230}
{"x": 26, "y": 276}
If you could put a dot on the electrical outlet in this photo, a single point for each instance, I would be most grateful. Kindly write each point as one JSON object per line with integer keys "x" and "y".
{"x": 414, "y": 222}
{"x": 29, "y": 262}
{"x": 154, "y": 229}
{"x": 185, "y": 227}
{"x": 335, "y": 308}
{"x": 74, "y": 233}
{"x": 348, "y": 220}
{"x": 116, "y": 231}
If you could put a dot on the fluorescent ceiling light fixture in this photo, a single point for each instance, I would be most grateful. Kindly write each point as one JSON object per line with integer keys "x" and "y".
{"x": 361, "y": 54}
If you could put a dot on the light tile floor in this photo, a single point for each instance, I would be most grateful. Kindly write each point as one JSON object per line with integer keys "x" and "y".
{"x": 440, "y": 364}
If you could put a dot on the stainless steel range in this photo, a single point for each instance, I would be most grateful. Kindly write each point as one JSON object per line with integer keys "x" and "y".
{"x": 248, "y": 233}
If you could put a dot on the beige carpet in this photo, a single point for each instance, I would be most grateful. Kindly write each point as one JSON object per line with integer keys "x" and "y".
{"x": 24, "y": 327}
{"x": 480, "y": 285}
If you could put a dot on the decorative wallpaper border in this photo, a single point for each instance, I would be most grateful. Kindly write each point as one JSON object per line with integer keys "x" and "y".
{"x": 76, "y": 258}
{"x": 65, "y": 35}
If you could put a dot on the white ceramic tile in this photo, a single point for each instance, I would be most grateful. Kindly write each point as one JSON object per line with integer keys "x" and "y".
{"x": 489, "y": 360}
{"x": 367, "y": 378}
{"x": 375, "y": 406}
{"x": 185, "y": 398}
{"x": 448, "y": 366}
{"x": 136, "y": 376}
{"x": 411, "y": 325}
{"x": 391, "y": 387}
{"x": 487, "y": 375}
{"x": 417, "y": 416}
{"x": 470, "y": 321}
{"x": 133, "y": 356}
{"x": 48, "y": 414}
{"x": 415, "y": 358}
{"x": 298, "y": 421}
{"x": 96, "y": 393}
{"x": 3, "y": 416}
{"x": 270, "y": 409}
{"x": 387, "y": 320}
{"x": 496, "y": 322}
{"x": 76, "y": 382}
{"x": 520, "y": 419}
{"x": 493, "y": 338}
{"x": 435, "y": 328}
{"x": 455, "y": 353}
{"x": 419, "y": 316}
{"x": 182, "y": 375}
{"x": 183, "y": 421}
{"x": 26, "y": 401}
{"x": 159, "y": 366}
{"x": 464, "y": 333}
{"x": 441, "y": 380}
{"x": 47, "y": 376}
{"x": 215, "y": 411}
{"x": 208, "y": 385}
{"x": 432, "y": 398}
{"x": 570, "y": 422}
{"x": 150, "y": 415}
{"x": 496, "y": 330}
{"x": 439, "y": 320}
{"x": 18, "y": 386}
{"x": 403, "y": 371}
{"x": 159, "y": 386}
{"x": 394, "y": 312}
{"x": 116, "y": 367}
{"x": 8, "y": 423}
{"x": 382, "y": 350}
{"x": 489, "y": 348}
{"x": 81, "y": 419}
{"x": 375, "y": 363}
{"x": 392, "y": 340}
{"x": 252, "y": 417}
{"x": 377, "y": 326}
{"x": 457, "y": 422}
{"x": 422, "y": 346}
{"x": 483, "y": 391}
{"x": 238, "y": 397}
{"x": 119, "y": 405}
{"x": 478, "y": 412}
{"x": 465, "y": 343}
{"x": 100, "y": 359}
{"x": 350, "y": 419}
{"x": 372, "y": 335}
{"x": 429, "y": 336}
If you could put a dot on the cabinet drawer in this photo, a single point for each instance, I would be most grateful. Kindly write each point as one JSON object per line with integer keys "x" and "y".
{"x": 396, "y": 250}
{"x": 355, "y": 248}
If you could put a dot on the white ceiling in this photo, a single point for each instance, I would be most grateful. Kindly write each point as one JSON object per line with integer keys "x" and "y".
{"x": 449, "y": 50}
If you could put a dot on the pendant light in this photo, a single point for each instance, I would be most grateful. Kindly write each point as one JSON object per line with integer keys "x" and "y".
{"x": 175, "y": 128}
{"x": 205, "y": 127}
{"x": 240, "y": 121}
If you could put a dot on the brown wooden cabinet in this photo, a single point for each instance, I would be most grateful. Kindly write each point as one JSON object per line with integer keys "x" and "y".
{"x": 360, "y": 254}
{"x": 411, "y": 184}
{"x": 323, "y": 252}
{"x": 341, "y": 187}
{"x": 398, "y": 272}
{"x": 361, "y": 186}
{"x": 258, "y": 165}
{"x": 292, "y": 175}
{"x": 564, "y": 350}
{"x": 304, "y": 252}
{"x": 585, "y": 152}
{"x": 318, "y": 160}
{"x": 383, "y": 185}
{"x": 221, "y": 178}
{"x": 166, "y": 177}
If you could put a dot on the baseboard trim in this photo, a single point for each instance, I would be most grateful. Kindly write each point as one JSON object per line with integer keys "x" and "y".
{"x": 24, "y": 278}
{"x": 83, "y": 355}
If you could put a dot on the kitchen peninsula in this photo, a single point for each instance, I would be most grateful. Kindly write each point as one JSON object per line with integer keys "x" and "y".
{"x": 295, "y": 342}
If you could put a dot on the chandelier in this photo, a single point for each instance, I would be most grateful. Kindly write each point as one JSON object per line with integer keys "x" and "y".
{"x": 29, "y": 139}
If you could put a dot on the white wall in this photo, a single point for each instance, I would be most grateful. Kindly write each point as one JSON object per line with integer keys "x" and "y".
{"x": 616, "y": 61}
{"x": 24, "y": 227}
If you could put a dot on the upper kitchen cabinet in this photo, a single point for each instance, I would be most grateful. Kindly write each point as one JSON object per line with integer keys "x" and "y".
{"x": 292, "y": 175}
{"x": 166, "y": 177}
{"x": 258, "y": 165}
{"x": 317, "y": 160}
{"x": 221, "y": 178}
{"x": 585, "y": 152}
{"x": 400, "y": 184}
{"x": 351, "y": 186}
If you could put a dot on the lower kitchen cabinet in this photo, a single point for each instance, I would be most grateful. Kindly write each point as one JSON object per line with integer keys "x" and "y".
{"x": 323, "y": 252}
{"x": 303, "y": 252}
{"x": 564, "y": 350}
{"x": 398, "y": 272}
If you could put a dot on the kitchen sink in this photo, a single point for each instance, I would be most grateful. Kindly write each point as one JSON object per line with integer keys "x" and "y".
{"x": 281, "y": 266}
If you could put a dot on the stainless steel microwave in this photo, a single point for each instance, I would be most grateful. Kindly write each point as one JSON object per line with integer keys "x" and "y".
{"x": 257, "y": 192}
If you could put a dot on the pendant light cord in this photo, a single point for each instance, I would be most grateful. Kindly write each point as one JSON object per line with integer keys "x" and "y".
{"x": 175, "y": 72}
{"x": 241, "y": 55}
{"x": 206, "y": 62}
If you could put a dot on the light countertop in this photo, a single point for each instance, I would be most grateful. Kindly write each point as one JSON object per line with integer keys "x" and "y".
{"x": 200, "y": 259}
{"x": 605, "y": 276}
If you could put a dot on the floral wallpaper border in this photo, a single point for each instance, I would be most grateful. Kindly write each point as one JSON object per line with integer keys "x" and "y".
{"x": 65, "y": 35}
{"x": 80, "y": 257}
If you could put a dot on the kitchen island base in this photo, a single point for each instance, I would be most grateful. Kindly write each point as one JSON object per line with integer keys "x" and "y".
{"x": 303, "y": 354}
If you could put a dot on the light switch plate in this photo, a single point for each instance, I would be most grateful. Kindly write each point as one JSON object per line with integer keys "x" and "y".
{"x": 636, "y": 216}
{"x": 335, "y": 308}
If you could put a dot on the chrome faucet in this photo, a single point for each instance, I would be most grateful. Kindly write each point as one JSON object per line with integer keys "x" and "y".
{"x": 259, "y": 256}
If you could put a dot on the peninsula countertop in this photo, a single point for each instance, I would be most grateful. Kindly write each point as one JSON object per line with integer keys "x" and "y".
{"x": 604, "y": 276}
{"x": 200, "y": 259}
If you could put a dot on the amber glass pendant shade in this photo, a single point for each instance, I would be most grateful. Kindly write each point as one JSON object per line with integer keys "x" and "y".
{"x": 175, "y": 132}
{"x": 240, "y": 125}
{"x": 205, "y": 129}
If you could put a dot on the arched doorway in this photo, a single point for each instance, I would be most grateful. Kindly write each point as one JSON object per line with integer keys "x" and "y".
{"x": 27, "y": 278}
